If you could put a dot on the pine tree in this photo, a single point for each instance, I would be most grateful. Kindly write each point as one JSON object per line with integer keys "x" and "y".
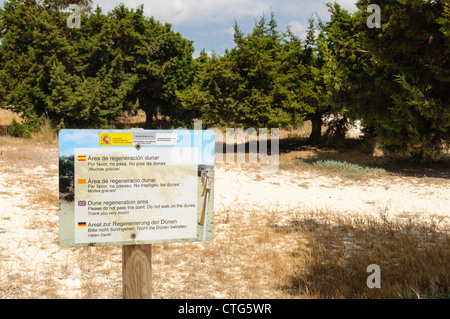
{"x": 329, "y": 65}
{"x": 86, "y": 77}
{"x": 411, "y": 64}
{"x": 30, "y": 44}
{"x": 251, "y": 85}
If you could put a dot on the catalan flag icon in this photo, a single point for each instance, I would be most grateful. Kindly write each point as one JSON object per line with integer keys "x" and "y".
{"x": 82, "y": 181}
{"x": 81, "y": 224}
{"x": 81, "y": 158}
{"x": 81, "y": 203}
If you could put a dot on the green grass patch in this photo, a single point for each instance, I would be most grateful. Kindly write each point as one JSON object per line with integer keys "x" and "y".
{"x": 341, "y": 168}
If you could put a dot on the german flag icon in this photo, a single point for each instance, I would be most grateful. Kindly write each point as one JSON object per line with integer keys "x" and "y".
{"x": 82, "y": 225}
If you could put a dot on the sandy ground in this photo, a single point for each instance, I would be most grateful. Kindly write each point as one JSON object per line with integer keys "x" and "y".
{"x": 396, "y": 196}
{"x": 32, "y": 265}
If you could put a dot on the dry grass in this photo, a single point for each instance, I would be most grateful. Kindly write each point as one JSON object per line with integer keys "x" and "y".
{"x": 334, "y": 252}
{"x": 6, "y": 118}
{"x": 313, "y": 255}
{"x": 245, "y": 260}
{"x": 127, "y": 120}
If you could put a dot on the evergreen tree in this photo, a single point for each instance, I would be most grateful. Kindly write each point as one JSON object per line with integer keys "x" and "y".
{"x": 211, "y": 94}
{"x": 86, "y": 77}
{"x": 252, "y": 84}
{"x": 413, "y": 87}
{"x": 330, "y": 64}
{"x": 30, "y": 44}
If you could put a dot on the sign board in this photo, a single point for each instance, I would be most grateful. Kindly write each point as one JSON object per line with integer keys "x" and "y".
{"x": 131, "y": 187}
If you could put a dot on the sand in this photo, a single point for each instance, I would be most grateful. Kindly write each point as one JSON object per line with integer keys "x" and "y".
{"x": 396, "y": 196}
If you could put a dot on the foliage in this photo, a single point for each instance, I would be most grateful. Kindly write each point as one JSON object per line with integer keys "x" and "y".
{"x": 258, "y": 83}
{"x": 86, "y": 77}
{"x": 409, "y": 77}
{"x": 17, "y": 129}
{"x": 339, "y": 165}
{"x": 66, "y": 173}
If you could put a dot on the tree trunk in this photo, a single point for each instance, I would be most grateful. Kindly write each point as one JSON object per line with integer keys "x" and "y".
{"x": 335, "y": 134}
{"x": 316, "y": 132}
{"x": 368, "y": 140}
{"x": 148, "y": 119}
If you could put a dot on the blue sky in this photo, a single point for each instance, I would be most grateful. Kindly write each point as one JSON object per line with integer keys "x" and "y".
{"x": 209, "y": 23}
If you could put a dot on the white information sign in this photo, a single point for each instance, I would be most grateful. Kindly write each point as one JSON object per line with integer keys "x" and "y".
{"x": 127, "y": 187}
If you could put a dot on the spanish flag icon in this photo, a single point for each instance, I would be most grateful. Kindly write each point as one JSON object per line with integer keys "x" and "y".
{"x": 81, "y": 181}
{"x": 81, "y": 158}
{"x": 82, "y": 225}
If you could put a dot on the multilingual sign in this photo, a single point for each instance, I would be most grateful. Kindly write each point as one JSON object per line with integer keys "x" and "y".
{"x": 130, "y": 187}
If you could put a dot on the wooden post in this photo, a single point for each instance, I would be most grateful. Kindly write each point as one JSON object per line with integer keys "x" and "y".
{"x": 137, "y": 271}
{"x": 205, "y": 193}
{"x": 137, "y": 267}
{"x": 202, "y": 219}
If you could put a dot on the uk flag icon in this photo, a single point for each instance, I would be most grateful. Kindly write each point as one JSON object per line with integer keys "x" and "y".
{"x": 81, "y": 203}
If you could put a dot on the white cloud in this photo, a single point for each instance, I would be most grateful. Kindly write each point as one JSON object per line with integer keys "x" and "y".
{"x": 297, "y": 28}
{"x": 194, "y": 12}
{"x": 202, "y": 12}
{"x": 210, "y": 22}
{"x": 227, "y": 33}
{"x": 348, "y": 4}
